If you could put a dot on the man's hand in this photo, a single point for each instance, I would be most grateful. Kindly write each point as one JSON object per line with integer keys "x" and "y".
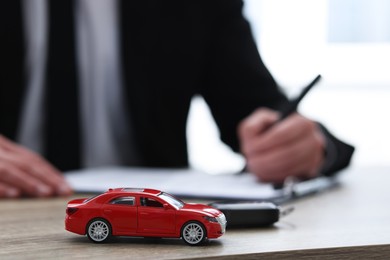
{"x": 275, "y": 150}
{"x": 24, "y": 173}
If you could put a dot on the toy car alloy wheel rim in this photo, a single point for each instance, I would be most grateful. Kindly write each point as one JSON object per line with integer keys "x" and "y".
{"x": 193, "y": 233}
{"x": 98, "y": 230}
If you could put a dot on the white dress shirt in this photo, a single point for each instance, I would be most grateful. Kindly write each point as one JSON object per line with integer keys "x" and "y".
{"x": 104, "y": 119}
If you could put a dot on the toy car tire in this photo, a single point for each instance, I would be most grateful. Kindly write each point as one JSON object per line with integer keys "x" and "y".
{"x": 99, "y": 230}
{"x": 193, "y": 233}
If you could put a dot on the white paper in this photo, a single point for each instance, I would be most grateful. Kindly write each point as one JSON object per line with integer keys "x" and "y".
{"x": 182, "y": 183}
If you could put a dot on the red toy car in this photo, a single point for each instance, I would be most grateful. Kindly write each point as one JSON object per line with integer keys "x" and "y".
{"x": 143, "y": 213}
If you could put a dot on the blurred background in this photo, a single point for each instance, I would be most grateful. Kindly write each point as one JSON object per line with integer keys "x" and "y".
{"x": 346, "y": 41}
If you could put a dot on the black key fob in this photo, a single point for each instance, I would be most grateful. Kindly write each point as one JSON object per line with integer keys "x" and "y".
{"x": 249, "y": 214}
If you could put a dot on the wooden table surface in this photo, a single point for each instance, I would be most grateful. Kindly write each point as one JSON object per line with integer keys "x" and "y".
{"x": 348, "y": 222}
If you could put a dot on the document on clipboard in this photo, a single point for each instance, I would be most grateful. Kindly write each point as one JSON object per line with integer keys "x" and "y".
{"x": 189, "y": 183}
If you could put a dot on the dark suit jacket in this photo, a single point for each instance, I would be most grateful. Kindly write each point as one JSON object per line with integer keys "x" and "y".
{"x": 172, "y": 50}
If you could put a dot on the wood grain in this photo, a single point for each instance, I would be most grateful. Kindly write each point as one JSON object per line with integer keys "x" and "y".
{"x": 350, "y": 222}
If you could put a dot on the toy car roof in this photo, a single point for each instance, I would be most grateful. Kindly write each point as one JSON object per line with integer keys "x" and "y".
{"x": 134, "y": 190}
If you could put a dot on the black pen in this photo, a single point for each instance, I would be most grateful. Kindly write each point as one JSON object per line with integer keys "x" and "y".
{"x": 292, "y": 106}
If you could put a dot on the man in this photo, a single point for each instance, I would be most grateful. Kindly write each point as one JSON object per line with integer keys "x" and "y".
{"x": 135, "y": 88}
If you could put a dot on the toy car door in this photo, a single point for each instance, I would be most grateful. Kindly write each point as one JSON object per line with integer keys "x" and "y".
{"x": 122, "y": 214}
{"x": 153, "y": 217}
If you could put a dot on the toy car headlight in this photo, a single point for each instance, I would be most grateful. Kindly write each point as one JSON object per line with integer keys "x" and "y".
{"x": 210, "y": 219}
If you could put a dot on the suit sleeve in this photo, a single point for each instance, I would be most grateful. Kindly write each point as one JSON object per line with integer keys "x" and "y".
{"x": 237, "y": 82}
{"x": 338, "y": 154}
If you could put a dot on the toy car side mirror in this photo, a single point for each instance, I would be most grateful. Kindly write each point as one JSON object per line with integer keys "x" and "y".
{"x": 166, "y": 206}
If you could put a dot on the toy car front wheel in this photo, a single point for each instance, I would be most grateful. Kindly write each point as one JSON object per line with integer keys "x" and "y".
{"x": 193, "y": 233}
{"x": 99, "y": 231}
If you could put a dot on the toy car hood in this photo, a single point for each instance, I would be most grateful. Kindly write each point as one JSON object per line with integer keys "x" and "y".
{"x": 201, "y": 209}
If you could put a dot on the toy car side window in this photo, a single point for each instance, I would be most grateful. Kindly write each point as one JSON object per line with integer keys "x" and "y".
{"x": 123, "y": 201}
{"x": 148, "y": 202}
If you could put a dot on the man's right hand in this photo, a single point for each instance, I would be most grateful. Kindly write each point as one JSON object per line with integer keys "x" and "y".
{"x": 25, "y": 173}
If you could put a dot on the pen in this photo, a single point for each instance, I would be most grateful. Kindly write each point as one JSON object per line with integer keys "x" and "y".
{"x": 292, "y": 106}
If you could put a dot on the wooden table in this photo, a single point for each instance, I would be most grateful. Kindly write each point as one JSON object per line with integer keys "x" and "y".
{"x": 349, "y": 222}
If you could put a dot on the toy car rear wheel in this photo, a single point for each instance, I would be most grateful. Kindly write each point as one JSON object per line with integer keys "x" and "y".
{"x": 193, "y": 233}
{"x": 99, "y": 231}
